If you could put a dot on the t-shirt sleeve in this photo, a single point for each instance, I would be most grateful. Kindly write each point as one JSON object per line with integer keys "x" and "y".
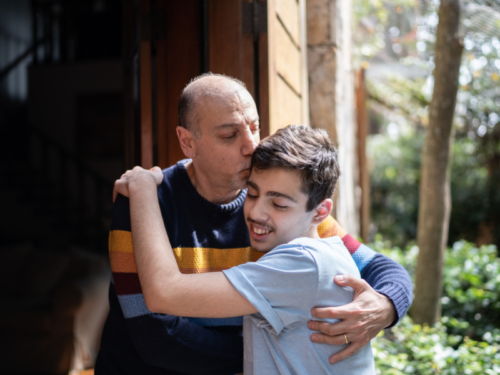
{"x": 282, "y": 285}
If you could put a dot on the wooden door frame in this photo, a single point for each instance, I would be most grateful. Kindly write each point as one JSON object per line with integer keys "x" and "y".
{"x": 158, "y": 65}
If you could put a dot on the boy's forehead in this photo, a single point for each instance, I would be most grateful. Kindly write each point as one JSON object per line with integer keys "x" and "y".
{"x": 277, "y": 179}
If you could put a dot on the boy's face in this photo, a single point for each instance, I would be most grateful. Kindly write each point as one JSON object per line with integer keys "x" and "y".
{"x": 275, "y": 209}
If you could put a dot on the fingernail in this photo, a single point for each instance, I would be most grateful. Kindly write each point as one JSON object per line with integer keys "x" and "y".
{"x": 314, "y": 338}
{"x": 331, "y": 361}
{"x": 310, "y": 325}
{"x": 339, "y": 278}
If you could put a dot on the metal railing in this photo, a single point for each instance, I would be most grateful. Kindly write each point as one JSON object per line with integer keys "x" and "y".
{"x": 5, "y": 71}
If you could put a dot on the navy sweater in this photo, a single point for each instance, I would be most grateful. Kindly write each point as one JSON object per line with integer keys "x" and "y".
{"x": 205, "y": 237}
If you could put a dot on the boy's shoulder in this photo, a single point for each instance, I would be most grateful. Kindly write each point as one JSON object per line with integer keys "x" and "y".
{"x": 330, "y": 254}
{"x": 330, "y": 246}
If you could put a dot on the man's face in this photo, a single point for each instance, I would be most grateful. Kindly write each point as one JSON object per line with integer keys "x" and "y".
{"x": 275, "y": 209}
{"x": 229, "y": 133}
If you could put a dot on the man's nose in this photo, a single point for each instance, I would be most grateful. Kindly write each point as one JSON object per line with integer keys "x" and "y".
{"x": 250, "y": 142}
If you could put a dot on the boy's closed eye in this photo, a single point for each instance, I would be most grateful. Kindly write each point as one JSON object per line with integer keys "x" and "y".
{"x": 280, "y": 206}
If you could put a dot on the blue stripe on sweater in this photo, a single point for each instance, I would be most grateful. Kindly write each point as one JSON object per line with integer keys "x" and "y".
{"x": 133, "y": 305}
{"x": 363, "y": 256}
{"x": 207, "y": 322}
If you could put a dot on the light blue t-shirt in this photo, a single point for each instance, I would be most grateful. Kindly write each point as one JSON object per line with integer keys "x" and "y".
{"x": 284, "y": 285}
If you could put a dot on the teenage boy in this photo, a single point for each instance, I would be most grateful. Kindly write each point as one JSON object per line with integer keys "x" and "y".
{"x": 293, "y": 175}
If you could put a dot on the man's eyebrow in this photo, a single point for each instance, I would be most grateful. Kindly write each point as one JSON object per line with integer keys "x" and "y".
{"x": 253, "y": 185}
{"x": 222, "y": 126}
{"x": 233, "y": 124}
{"x": 280, "y": 195}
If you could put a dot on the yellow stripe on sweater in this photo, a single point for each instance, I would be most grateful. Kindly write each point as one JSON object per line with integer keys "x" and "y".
{"x": 120, "y": 241}
{"x": 199, "y": 259}
{"x": 189, "y": 259}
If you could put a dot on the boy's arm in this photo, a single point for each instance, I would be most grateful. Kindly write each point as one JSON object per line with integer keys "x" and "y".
{"x": 380, "y": 300}
{"x": 166, "y": 290}
{"x": 166, "y": 341}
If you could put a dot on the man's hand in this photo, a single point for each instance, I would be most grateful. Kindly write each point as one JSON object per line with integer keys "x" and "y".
{"x": 362, "y": 319}
{"x": 121, "y": 186}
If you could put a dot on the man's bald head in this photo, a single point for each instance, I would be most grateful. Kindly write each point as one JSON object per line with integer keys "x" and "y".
{"x": 205, "y": 85}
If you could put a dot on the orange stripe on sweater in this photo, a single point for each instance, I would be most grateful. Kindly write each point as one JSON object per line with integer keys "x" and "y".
{"x": 329, "y": 228}
{"x": 122, "y": 262}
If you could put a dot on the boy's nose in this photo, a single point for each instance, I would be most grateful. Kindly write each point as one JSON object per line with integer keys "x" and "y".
{"x": 258, "y": 212}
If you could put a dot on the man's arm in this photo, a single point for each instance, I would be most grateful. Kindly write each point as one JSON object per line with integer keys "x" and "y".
{"x": 166, "y": 341}
{"x": 380, "y": 300}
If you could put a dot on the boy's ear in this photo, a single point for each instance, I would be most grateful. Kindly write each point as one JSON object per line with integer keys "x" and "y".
{"x": 322, "y": 211}
{"x": 186, "y": 141}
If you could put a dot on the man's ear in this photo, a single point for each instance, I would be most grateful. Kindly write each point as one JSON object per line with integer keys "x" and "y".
{"x": 322, "y": 211}
{"x": 186, "y": 141}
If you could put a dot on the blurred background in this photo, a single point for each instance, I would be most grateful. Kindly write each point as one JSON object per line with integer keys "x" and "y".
{"x": 89, "y": 88}
{"x": 395, "y": 41}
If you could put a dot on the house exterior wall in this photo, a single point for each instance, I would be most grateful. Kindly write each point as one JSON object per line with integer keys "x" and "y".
{"x": 288, "y": 86}
{"x": 331, "y": 95}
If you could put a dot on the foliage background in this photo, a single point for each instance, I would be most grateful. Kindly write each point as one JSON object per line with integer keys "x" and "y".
{"x": 394, "y": 42}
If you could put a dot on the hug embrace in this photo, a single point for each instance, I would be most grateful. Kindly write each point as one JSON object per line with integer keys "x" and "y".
{"x": 238, "y": 238}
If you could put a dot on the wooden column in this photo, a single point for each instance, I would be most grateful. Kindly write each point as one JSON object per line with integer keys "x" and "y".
{"x": 226, "y": 40}
{"x": 145, "y": 85}
{"x": 161, "y": 83}
{"x": 183, "y": 56}
{"x": 130, "y": 79}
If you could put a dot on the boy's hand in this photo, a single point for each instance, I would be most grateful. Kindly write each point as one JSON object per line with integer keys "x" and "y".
{"x": 154, "y": 175}
{"x": 362, "y": 319}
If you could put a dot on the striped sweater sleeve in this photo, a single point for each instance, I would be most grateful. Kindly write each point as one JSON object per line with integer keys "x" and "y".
{"x": 170, "y": 342}
{"x": 382, "y": 273}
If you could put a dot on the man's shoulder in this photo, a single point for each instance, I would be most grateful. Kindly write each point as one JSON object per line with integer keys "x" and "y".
{"x": 174, "y": 172}
{"x": 173, "y": 187}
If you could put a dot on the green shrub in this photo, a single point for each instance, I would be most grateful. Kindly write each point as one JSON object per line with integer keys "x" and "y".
{"x": 467, "y": 340}
{"x": 471, "y": 285}
{"x": 418, "y": 350}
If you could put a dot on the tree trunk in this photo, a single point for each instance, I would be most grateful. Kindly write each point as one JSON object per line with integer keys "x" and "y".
{"x": 434, "y": 211}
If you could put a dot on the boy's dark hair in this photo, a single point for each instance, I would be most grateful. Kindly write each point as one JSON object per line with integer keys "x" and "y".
{"x": 305, "y": 150}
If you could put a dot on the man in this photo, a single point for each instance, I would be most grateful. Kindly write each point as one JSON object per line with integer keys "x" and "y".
{"x": 201, "y": 201}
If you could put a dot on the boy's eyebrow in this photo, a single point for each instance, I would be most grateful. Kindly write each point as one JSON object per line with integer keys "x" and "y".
{"x": 280, "y": 195}
{"x": 276, "y": 194}
{"x": 252, "y": 185}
